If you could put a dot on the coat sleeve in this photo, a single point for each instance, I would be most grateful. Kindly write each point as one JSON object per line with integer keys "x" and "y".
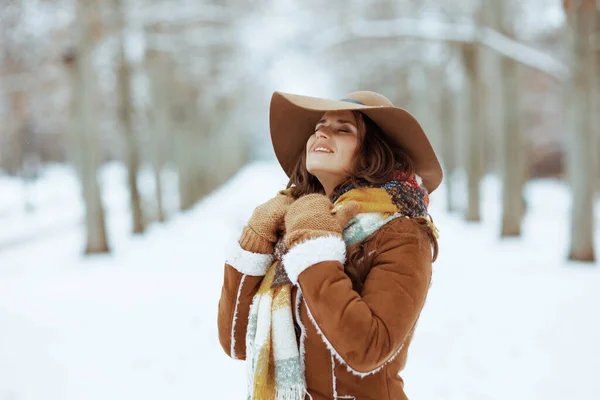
{"x": 244, "y": 272}
{"x": 365, "y": 331}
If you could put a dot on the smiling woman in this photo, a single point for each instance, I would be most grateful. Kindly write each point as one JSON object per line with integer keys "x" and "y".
{"x": 323, "y": 290}
{"x": 330, "y": 150}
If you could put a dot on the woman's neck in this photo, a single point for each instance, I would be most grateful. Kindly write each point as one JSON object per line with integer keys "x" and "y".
{"x": 330, "y": 183}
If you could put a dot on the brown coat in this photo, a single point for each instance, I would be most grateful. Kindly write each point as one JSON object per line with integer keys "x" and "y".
{"x": 355, "y": 344}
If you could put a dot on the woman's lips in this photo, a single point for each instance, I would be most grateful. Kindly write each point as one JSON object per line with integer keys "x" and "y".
{"x": 320, "y": 148}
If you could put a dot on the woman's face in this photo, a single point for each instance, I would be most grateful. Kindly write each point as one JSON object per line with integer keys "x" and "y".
{"x": 330, "y": 150}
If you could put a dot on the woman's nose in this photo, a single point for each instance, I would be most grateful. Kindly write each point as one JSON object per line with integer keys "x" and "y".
{"x": 321, "y": 133}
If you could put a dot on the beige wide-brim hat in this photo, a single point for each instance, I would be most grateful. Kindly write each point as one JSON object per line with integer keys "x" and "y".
{"x": 293, "y": 119}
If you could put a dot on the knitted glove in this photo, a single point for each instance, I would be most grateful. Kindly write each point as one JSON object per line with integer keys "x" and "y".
{"x": 313, "y": 216}
{"x": 264, "y": 226}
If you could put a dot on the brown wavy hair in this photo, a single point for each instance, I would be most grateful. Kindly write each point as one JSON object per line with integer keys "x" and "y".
{"x": 375, "y": 161}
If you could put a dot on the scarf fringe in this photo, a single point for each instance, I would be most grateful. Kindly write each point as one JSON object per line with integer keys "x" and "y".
{"x": 291, "y": 393}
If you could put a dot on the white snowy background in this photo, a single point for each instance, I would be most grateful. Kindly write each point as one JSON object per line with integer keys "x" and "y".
{"x": 505, "y": 319}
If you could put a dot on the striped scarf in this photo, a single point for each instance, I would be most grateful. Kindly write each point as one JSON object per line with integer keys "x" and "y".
{"x": 275, "y": 366}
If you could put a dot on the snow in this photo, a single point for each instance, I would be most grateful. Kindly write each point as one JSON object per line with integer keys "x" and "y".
{"x": 525, "y": 54}
{"x": 451, "y": 32}
{"x": 539, "y": 18}
{"x": 52, "y": 203}
{"x": 504, "y": 318}
{"x": 45, "y": 196}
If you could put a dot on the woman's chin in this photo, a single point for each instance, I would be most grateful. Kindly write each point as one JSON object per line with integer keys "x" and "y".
{"x": 317, "y": 169}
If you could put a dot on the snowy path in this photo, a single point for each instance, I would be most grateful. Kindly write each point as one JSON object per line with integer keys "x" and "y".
{"x": 504, "y": 319}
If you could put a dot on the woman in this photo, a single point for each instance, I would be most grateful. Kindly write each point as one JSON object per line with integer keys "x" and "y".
{"x": 324, "y": 288}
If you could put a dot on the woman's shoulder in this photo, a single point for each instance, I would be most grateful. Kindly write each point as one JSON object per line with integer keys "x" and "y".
{"x": 401, "y": 225}
{"x": 401, "y": 231}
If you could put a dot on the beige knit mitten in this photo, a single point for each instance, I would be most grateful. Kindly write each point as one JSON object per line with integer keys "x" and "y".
{"x": 312, "y": 216}
{"x": 264, "y": 226}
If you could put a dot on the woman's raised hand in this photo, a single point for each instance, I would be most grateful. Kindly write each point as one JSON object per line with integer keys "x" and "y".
{"x": 265, "y": 225}
{"x": 313, "y": 216}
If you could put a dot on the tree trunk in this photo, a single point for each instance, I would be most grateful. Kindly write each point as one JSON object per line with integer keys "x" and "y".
{"x": 513, "y": 152}
{"x": 581, "y": 143}
{"x": 16, "y": 127}
{"x": 448, "y": 140}
{"x": 596, "y": 99}
{"x": 206, "y": 157}
{"x": 158, "y": 116}
{"x": 184, "y": 168}
{"x": 434, "y": 90}
{"x": 84, "y": 128}
{"x": 126, "y": 119}
{"x": 474, "y": 141}
{"x": 511, "y": 140}
{"x": 186, "y": 148}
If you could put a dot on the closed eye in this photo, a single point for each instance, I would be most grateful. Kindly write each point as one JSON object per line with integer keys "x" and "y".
{"x": 346, "y": 128}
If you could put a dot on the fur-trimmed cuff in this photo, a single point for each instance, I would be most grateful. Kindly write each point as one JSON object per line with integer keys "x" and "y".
{"x": 253, "y": 264}
{"x": 311, "y": 252}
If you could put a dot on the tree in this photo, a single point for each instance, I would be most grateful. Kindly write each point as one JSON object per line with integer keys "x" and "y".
{"x": 512, "y": 143}
{"x": 474, "y": 140}
{"x": 581, "y": 144}
{"x": 448, "y": 139}
{"x": 84, "y": 126}
{"x": 186, "y": 148}
{"x": 13, "y": 65}
{"x": 125, "y": 111}
{"x": 158, "y": 114}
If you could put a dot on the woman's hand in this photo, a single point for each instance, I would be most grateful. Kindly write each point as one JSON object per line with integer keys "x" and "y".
{"x": 313, "y": 216}
{"x": 266, "y": 223}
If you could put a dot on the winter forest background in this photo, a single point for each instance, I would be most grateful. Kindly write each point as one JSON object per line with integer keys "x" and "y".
{"x": 134, "y": 145}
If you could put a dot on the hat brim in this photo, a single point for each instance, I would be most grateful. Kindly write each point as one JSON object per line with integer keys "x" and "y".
{"x": 294, "y": 117}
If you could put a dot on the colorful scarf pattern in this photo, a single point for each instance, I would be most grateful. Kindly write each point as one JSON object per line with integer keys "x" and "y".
{"x": 382, "y": 203}
{"x": 275, "y": 366}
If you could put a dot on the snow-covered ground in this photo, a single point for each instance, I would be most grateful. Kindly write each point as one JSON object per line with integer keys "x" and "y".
{"x": 505, "y": 319}
{"x": 51, "y": 203}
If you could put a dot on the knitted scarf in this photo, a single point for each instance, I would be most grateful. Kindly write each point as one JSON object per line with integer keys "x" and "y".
{"x": 275, "y": 366}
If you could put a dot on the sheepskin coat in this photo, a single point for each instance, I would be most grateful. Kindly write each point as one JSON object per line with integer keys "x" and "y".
{"x": 354, "y": 345}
